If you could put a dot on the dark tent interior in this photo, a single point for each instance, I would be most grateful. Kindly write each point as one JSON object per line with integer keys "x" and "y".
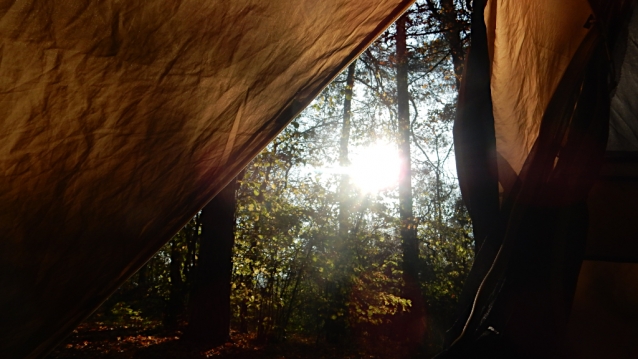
{"x": 544, "y": 158}
{"x": 120, "y": 120}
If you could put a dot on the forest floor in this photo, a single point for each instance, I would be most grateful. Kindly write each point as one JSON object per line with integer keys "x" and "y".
{"x": 151, "y": 341}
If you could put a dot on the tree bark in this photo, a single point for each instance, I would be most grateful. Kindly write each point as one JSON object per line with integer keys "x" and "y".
{"x": 344, "y": 161}
{"x": 176, "y": 300}
{"x": 451, "y": 28}
{"x": 336, "y": 318}
{"x": 414, "y": 324}
{"x": 210, "y": 312}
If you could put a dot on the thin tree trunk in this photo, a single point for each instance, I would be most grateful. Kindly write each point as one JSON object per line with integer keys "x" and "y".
{"x": 344, "y": 161}
{"x": 142, "y": 282}
{"x": 451, "y": 27}
{"x": 414, "y": 324}
{"x": 175, "y": 303}
{"x": 243, "y": 314}
{"x": 192, "y": 238}
{"x": 210, "y": 302}
{"x": 336, "y": 320}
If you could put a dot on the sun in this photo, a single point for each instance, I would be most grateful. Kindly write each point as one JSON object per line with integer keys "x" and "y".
{"x": 375, "y": 167}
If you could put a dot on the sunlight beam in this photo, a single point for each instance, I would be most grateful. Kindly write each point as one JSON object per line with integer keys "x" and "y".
{"x": 375, "y": 167}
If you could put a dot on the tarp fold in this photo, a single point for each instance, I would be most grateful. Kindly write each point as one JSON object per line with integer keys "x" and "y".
{"x": 120, "y": 119}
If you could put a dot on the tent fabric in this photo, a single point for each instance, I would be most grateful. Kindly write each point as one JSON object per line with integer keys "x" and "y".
{"x": 474, "y": 138}
{"x": 528, "y": 40}
{"x": 549, "y": 77}
{"x": 623, "y": 119}
{"x": 523, "y": 279}
{"x": 604, "y": 318}
{"x": 121, "y": 119}
{"x": 613, "y": 200}
{"x": 613, "y": 209}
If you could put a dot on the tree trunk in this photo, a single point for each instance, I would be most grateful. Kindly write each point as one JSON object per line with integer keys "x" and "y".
{"x": 344, "y": 161}
{"x": 192, "y": 238}
{"x": 451, "y": 28}
{"x": 414, "y": 322}
{"x": 176, "y": 302}
{"x": 336, "y": 320}
{"x": 210, "y": 302}
{"x": 142, "y": 282}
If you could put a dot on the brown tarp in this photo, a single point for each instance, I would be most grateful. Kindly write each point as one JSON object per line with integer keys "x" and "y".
{"x": 120, "y": 119}
{"x": 531, "y": 43}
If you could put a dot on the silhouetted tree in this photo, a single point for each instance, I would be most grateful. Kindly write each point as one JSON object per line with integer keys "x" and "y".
{"x": 209, "y": 320}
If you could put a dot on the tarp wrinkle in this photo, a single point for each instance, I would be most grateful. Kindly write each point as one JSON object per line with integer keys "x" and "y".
{"x": 120, "y": 119}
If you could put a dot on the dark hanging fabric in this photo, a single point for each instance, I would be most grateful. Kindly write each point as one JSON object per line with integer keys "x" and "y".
{"x": 474, "y": 139}
{"x": 613, "y": 204}
{"x": 475, "y": 150}
{"x": 517, "y": 299}
{"x": 604, "y": 317}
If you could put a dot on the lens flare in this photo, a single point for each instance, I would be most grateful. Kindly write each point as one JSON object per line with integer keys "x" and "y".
{"x": 374, "y": 168}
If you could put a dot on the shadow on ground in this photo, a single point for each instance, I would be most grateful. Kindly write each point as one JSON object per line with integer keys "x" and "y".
{"x": 151, "y": 342}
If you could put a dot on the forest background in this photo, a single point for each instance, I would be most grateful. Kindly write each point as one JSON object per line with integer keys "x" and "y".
{"x": 348, "y": 228}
